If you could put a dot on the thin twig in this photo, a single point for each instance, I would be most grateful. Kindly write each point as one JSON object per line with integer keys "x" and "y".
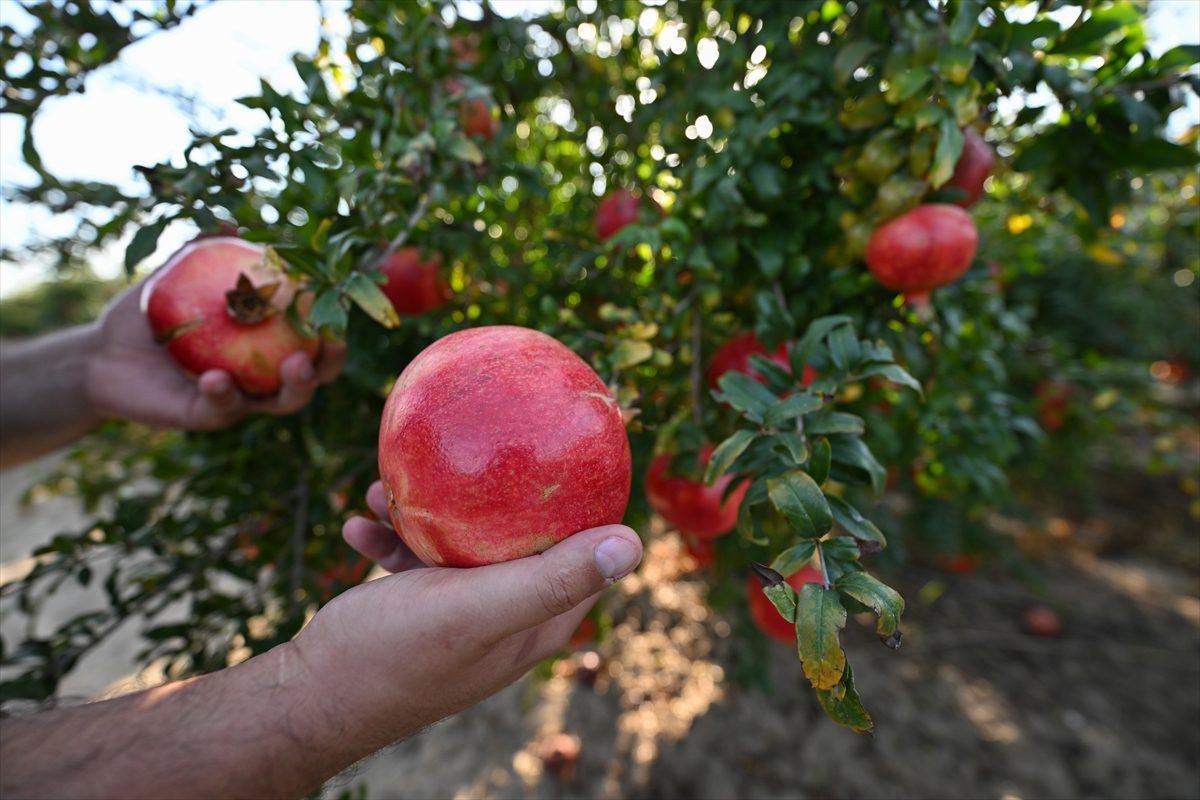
{"x": 402, "y": 237}
{"x": 697, "y": 375}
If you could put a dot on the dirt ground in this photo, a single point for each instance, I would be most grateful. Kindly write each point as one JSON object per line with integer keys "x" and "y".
{"x": 969, "y": 707}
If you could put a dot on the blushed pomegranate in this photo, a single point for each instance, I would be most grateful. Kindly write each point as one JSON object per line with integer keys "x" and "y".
{"x": 497, "y": 443}
{"x": 922, "y": 249}
{"x": 219, "y": 303}
{"x": 690, "y": 507}
{"x": 735, "y": 355}
{"x": 414, "y": 285}
{"x": 972, "y": 169}
{"x": 764, "y": 613}
{"x": 618, "y": 209}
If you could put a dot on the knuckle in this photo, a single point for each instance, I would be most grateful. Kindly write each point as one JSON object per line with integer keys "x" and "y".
{"x": 556, "y": 592}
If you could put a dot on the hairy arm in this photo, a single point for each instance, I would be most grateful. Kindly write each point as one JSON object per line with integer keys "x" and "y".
{"x": 254, "y": 730}
{"x": 43, "y": 399}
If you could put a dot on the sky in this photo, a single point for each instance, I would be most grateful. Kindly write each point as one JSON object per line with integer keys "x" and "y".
{"x": 217, "y": 56}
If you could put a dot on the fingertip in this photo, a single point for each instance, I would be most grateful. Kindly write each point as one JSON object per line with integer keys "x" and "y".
{"x": 377, "y": 500}
{"x": 297, "y": 369}
{"x": 216, "y": 383}
{"x": 333, "y": 358}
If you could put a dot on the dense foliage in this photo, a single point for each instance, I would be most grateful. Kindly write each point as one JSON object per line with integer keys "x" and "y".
{"x": 765, "y": 142}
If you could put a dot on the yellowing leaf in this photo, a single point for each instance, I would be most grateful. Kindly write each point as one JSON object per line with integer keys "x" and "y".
{"x": 630, "y": 353}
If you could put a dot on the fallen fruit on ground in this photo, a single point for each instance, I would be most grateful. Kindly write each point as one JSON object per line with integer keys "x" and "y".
{"x": 498, "y": 442}
{"x": 220, "y": 303}
{"x": 690, "y": 507}
{"x": 763, "y": 611}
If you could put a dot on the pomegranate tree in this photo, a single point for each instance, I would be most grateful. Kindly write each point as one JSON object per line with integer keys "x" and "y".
{"x": 414, "y": 285}
{"x": 925, "y": 248}
{"x": 498, "y": 442}
{"x": 219, "y": 303}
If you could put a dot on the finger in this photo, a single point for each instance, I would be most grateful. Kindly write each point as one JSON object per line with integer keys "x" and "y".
{"x": 218, "y": 401}
{"x": 333, "y": 358}
{"x": 521, "y": 594}
{"x": 299, "y": 381}
{"x": 377, "y": 500}
{"x": 380, "y": 544}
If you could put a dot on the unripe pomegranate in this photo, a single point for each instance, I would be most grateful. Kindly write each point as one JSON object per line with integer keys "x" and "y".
{"x": 498, "y": 442}
{"x": 219, "y": 303}
{"x": 618, "y": 209}
{"x": 735, "y": 355}
{"x": 922, "y": 249}
{"x": 414, "y": 285}
{"x": 972, "y": 169}
{"x": 693, "y": 509}
{"x": 763, "y": 611}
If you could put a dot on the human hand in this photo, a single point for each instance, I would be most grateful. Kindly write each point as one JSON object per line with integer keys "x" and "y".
{"x": 132, "y": 377}
{"x": 396, "y": 654}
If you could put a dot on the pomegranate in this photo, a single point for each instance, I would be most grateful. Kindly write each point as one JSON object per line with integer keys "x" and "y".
{"x": 219, "y": 303}
{"x": 704, "y": 551}
{"x": 693, "y": 509}
{"x": 618, "y": 209}
{"x": 922, "y": 249}
{"x": 764, "y": 613}
{"x": 735, "y": 354}
{"x": 584, "y": 634}
{"x": 414, "y": 285}
{"x": 958, "y": 564}
{"x": 497, "y": 443}
{"x": 348, "y": 572}
{"x": 1053, "y": 401}
{"x": 972, "y": 169}
{"x": 474, "y": 114}
{"x": 1042, "y": 621}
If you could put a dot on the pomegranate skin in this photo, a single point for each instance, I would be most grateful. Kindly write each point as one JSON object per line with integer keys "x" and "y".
{"x": 618, "y": 209}
{"x": 414, "y": 286}
{"x": 922, "y": 249}
{"x": 735, "y": 354}
{"x": 498, "y": 442}
{"x": 693, "y": 509}
{"x": 972, "y": 169}
{"x": 764, "y": 613}
{"x": 185, "y": 304}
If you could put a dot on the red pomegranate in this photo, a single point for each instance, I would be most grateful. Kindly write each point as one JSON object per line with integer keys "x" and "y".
{"x": 1053, "y": 401}
{"x": 219, "y": 303}
{"x": 972, "y": 169}
{"x": 1042, "y": 621}
{"x": 735, "y": 355}
{"x": 497, "y": 443}
{"x": 348, "y": 572}
{"x": 474, "y": 114}
{"x": 584, "y": 634}
{"x": 958, "y": 564}
{"x": 922, "y": 249}
{"x": 414, "y": 285}
{"x": 704, "y": 551}
{"x": 763, "y": 611}
{"x": 618, "y": 209}
{"x": 693, "y": 509}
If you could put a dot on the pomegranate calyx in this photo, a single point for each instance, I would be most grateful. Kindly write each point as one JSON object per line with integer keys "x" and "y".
{"x": 249, "y": 304}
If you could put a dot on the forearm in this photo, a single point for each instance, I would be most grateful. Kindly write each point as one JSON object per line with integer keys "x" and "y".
{"x": 260, "y": 729}
{"x": 43, "y": 402}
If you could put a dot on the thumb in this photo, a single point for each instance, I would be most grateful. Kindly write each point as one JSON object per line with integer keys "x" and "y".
{"x": 518, "y": 595}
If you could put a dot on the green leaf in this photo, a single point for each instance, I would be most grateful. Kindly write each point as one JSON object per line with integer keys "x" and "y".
{"x": 144, "y": 242}
{"x": 745, "y": 394}
{"x": 631, "y": 352}
{"x": 817, "y": 330}
{"x": 894, "y": 373}
{"x": 1185, "y": 55}
{"x": 464, "y": 149}
{"x": 818, "y": 465}
{"x": 819, "y": 618}
{"x": 790, "y": 407}
{"x": 843, "y": 705}
{"x": 949, "y": 149}
{"x": 1101, "y": 23}
{"x": 795, "y": 444}
{"x": 367, "y": 295}
{"x": 881, "y": 598}
{"x": 843, "y": 347}
{"x": 328, "y": 313}
{"x": 798, "y": 497}
{"x": 855, "y": 523}
{"x": 851, "y": 57}
{"x": 965, "y": 23}
{"x": 907, "y": 83}
{"x": 726, "y": 453}
{"x": 850, "y": 451}
{"x": 792, "y": 560}
{"x": 834, "y": 422}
